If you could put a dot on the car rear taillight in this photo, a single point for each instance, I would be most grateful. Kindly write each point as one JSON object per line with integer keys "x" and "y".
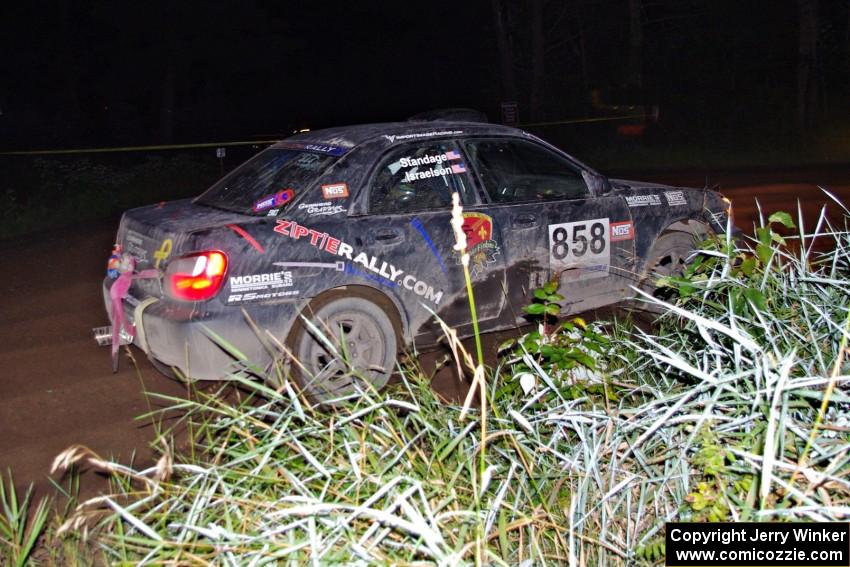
{"x": 196, "y": 277}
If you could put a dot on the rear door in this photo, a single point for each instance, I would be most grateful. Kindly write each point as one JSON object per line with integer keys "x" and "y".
{"x": 553, "y": 226}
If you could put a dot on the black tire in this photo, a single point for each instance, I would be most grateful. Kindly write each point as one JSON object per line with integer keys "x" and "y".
{"x": 371, "y": 345}
{"x": 668, "y": 257}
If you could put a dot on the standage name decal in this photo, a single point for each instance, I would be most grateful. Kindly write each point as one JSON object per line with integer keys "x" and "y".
{"x": 326, "y": 242}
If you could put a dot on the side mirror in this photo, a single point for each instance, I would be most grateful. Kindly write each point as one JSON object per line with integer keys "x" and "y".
{"x": 598, "y": 184}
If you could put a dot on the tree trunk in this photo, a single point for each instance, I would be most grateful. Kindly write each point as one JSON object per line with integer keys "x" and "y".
{"x": 538, "y": 66}
{"x": 807, "y": 64}
{"x": 634, "y": 73}
{"x": 506, "y": 52}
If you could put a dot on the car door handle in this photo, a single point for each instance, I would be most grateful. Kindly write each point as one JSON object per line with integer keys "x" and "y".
{"x": 388, "y": 236}
{"x": 524, "y": 221}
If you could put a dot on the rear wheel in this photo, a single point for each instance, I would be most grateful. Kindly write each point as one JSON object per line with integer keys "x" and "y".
{"x": 353, "y": 344}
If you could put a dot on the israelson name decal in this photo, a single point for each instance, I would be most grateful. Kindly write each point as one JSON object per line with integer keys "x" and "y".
{"x": 335, "y": 191}
{"x": 434, "y": 172}
{"x": 387, "y": 271}
{"x": 622, "y": 231}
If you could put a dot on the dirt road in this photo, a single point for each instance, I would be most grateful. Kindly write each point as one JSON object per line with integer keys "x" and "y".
{"x": 57, "y": 388}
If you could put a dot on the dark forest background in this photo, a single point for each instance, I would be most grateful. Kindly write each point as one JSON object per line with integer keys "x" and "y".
{"x": 85, "y": 72}
{"x": 663, "y": 84}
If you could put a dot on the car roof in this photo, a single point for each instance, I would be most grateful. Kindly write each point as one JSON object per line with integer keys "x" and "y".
{"x": 348, "y": 137}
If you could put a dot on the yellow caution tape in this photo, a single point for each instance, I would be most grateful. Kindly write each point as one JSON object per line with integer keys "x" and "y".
{"x": 584, "y": 120}
{"x": 262, "y": 142}
{"x": 137, "y": 148}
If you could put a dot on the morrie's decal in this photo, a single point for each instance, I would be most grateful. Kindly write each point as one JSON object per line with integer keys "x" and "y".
{"x": 675, "y": 198}
{"x": 387, "y": 271}
{"x": 429, "y": 159}
{"x": 261, "y": 281}
{"x": 420, "y": 228}
{"x": 480, "y": 246}
{"x": 643, "y": 200}
{"x": 622, "y": 231}
{"x": 335, "y": 191}
{"x": 163, "y": 253}
{"x": 321, "y": 209}
{"x": 248, "y": 287}
{"x": 271, "y": 201}
{"x": 392, "y": 139}
{"x": 434, "y": 172}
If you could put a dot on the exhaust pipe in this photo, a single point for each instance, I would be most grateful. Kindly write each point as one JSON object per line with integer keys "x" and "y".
{"x": 103, "y": 336}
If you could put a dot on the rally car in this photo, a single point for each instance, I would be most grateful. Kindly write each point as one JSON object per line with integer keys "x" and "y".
{"x": 349, "y": 228}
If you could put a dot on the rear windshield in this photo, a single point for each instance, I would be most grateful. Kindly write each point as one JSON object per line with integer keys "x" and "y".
{"x": 267, "y": 182}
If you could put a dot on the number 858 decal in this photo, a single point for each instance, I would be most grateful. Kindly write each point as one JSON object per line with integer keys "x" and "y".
{"x": 581, "y": 249}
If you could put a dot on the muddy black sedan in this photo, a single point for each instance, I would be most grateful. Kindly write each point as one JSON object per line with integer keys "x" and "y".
{"x": 337, "y": 244}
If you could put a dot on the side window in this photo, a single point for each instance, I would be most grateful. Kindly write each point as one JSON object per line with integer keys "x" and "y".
{"x": 518, "y": 170}
{"x": 419, "y": 177}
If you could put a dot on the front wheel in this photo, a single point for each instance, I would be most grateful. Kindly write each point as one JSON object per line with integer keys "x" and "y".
{"x": 351, "y": 344}
{"x": 668, "y": 258}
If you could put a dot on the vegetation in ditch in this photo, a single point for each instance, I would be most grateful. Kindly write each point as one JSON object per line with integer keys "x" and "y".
{"x": 732, "y": 407}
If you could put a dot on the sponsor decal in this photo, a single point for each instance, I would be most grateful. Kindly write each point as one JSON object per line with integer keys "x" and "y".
{"x": 163, "y": 253}
{"x": 675, "y": 198}
{"x": 622, "y": 231}
{"x": 257, "y": 296}
{"x": 420, "y": 228}
{"x": 247, "y": 287}
{"x": 383, "y": 269}
{"x": 480, "y": 246}
{"x": 536, "y": 279}
{"x": 580, "y": 250}
{"x": 273, "y": 213}
{"x": 318, "y": 148}
{"x": 135, "y": 246}
{"x": 719, "y": 218}
{"x": 338, "y": 266}
{"x": 271, "y": 201}
{"x": 434, "y": 172}
{"x": 323, "y": 208}
{"x": 335, "y": 191}
{"x": 643, "y": 200}
{"x": 395, "y": 138}
{"x": 428, "y": 160}
{"x": 308, "y": 161}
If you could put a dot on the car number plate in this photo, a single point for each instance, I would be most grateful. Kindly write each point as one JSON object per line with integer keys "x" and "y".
{"x": 580, "y": 250}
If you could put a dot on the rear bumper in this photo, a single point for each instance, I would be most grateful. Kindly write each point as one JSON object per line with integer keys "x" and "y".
{"x": 180, "y": 336}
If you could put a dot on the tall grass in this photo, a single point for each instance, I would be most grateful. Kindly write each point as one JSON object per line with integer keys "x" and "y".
{"x": 20, "y": 526}
{"x": 733, "y": 408}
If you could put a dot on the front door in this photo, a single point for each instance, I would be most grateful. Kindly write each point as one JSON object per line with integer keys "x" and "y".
{"x": 553, "y": 227}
